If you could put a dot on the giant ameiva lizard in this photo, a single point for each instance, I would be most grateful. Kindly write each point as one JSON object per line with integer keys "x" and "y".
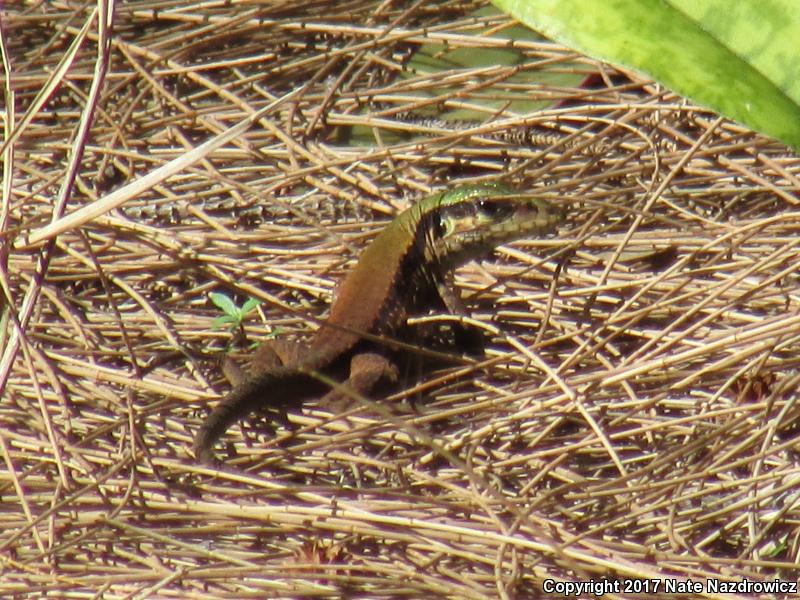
{"x": 402, "y": 273}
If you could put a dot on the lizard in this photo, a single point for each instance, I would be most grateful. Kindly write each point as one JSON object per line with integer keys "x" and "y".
{"x": 403, "y": 272}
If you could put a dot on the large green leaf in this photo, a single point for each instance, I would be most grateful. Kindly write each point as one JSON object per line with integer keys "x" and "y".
{"x": 741, "y": 58}
{"x": 435, "y": 58}
{"x": 512, "y": 94}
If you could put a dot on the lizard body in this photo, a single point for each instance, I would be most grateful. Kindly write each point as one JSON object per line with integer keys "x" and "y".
{"x": 400, "y": 274}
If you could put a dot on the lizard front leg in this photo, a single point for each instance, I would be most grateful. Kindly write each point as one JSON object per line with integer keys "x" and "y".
{"x": 468, "y": 339}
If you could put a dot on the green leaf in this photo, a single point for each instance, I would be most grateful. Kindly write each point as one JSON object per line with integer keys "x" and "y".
{"x": 435, "y": 58}
{"x": 431, "y": 61}
{"x": 223, "y": 321}
{"x": 224, "y": 303}
{"x": 739, "y": 58}
{"x": 249, "y": 305}
{"x": 773, "y": 548}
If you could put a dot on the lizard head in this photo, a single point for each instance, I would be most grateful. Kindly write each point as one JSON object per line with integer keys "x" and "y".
{"x": 469, "y": 221}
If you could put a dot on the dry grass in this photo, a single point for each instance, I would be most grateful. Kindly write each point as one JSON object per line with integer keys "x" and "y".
{"x": 635, "y": 416}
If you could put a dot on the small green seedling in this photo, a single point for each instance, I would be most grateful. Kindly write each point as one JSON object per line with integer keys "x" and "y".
{"x": 773, "y": 549}
{"x": 234, "y": 315}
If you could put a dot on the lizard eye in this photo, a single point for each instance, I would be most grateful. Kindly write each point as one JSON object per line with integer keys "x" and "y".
{"x": 494, "y": 209}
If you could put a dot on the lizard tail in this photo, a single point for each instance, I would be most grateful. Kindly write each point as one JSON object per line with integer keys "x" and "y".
{"x": 263, "y": 390}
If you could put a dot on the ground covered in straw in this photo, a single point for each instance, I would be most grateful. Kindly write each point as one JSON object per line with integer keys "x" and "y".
{"x": 635, "y": 415}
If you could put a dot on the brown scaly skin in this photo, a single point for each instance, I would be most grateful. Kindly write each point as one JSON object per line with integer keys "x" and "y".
{"x": 401, "y": 273}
